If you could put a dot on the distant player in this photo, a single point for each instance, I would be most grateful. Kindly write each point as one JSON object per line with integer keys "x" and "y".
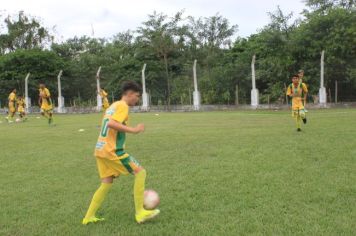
{"x": 298, "y": 92}
{"x": 21, "y": 107}
{"x": 301, "y": 76}
{"x": 112, "y": 159}
{"x": 45, "y": 102}
{"x": 12, "y": 105}
{"x": 104, "y": 97}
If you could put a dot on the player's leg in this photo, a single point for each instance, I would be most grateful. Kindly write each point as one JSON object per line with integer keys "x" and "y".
{"x": 97, "y": 200}
{"x": 297, "y": 119}
{"x": 21, "y": 113}
{"x": 107, "y": 174}
{"x": 303, "y": 116}
{"x": 50, "y": 117}
{"x": 135, "y": 168}
{"x": 43, "y": 112}
{"x": 11, "y": 114}
{"x": 24, "y": 116}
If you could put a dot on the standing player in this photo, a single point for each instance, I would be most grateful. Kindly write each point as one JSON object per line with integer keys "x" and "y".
{"x": 298, "y": 92}
{"x": 111, "y": 158}
{"x": 21, "y": 107}
{"x": 12, "y": 105}
{"x": 104, "y": 97}
{"x": 45, "y": 102}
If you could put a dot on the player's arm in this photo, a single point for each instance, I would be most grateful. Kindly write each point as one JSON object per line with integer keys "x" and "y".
{"x": 117, "y": 119}
{"x": 39, "y": 100}
{"x": 113, "y": 124}
{"x": 289, "y": 92}
{"x": 305, "y": 90}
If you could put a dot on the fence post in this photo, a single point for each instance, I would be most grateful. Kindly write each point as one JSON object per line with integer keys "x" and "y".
{"x": 335, "y": 91}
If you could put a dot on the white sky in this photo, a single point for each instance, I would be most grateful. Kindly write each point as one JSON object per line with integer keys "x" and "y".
{"x": 108, "y": 17}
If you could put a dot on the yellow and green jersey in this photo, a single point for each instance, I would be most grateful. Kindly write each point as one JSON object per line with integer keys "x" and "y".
{"x": 111, "y": 143}
{"x": 299, "y": 91}
{"x": 104, "y": 97}
{"x": 12, "y": 100}
{"x": 46, "y": 102}
{"x": 45, "y": 96}
{"x": 20, "y": 105}
{"x": 12, "y": 97}
{"x": 20, "y": 102}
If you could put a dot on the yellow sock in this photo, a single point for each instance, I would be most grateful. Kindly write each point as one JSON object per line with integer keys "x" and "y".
{"x": 297, "y": 120}
{"x": 139, "y": 188}
{"x": 98, "y": 198}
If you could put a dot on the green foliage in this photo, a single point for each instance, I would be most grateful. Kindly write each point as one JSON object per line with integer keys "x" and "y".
{"x": 170, "y": 44}
{"x": 42, "y": 64}
{"x": 23, "y": 32}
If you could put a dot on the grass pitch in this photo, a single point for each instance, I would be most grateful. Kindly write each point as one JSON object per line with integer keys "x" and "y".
{"x": 217, "y": 173}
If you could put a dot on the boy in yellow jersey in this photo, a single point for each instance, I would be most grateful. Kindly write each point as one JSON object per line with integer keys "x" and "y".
{"x": 12, "y": 105}
{"x": 301, "y": 76}
{"x": 104, "y": 96}
{"x": 298, "y": 92}
{"x": 21, "y": 107}
{"x": 112, "y": 159}
{"x": 45, "y": 103}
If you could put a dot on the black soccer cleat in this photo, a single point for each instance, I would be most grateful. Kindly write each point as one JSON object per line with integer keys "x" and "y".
{"x": 305, "y": 120}
{"x": 299, "y": 129}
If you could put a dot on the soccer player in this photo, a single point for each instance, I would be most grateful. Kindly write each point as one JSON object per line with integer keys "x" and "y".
{"x": 112, "y": 159}
{"x": 45, "y": 103}
{"x": 12, "y": 105}
{"x": 301, "y": 76}
{"x": 105, "y": 102}
{"x": 298, "y": 92}
{"x": 21, "y": 107}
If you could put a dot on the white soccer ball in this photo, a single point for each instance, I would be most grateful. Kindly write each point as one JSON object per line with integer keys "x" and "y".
{"x": 150, "y": 200}
{"x": 18, "y": 120}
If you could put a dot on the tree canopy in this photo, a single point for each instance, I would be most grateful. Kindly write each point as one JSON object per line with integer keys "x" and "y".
{"x": 170, "y": 44}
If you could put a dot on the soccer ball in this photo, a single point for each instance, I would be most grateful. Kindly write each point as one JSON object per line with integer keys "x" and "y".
{"x": 18, "y": 120}
{"x": 150, "y": 200}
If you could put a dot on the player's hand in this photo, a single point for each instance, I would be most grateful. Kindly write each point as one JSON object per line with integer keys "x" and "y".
{"x": 139, "y": 128}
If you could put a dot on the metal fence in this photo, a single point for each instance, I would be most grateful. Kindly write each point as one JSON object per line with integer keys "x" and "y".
{"x": 189, "y": 108}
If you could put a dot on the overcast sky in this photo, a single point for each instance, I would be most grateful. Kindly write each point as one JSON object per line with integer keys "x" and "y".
{"x": 108, "y": 17}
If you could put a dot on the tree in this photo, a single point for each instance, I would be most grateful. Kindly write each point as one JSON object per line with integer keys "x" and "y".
{"x": 23, "y": 32}
{"x": 162, "y": 35}
{"x": 42, "y": 64}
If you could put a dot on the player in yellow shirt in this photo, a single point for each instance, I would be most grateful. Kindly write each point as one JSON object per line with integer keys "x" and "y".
{"x": 12, "y": 105}
{"x": 45, "y": 102}
{"x": 105, "y": 102}
{"x": 21, "y": 107}
{"x": 112, "y": 159}
{"x": 298, "y": 91}
{"x": 301, "y": 76}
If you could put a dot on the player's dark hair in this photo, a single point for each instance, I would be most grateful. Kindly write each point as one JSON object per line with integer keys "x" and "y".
{"x": 130, "y": 86}
{"x": 295, "y": 75}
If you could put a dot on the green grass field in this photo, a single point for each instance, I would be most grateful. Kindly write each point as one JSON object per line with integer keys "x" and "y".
{"x": 217, "y": 173}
